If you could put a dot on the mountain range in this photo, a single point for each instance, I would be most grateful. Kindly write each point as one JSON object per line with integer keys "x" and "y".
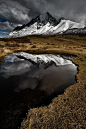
{"x": 46, "y": 24}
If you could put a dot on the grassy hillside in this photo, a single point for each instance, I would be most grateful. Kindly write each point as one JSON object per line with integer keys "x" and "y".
{"x": 43, "y": 44}
{"x": 67, "y": 111}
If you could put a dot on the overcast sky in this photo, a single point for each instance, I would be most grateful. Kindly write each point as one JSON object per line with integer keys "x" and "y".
{"x": 18, "y": 12}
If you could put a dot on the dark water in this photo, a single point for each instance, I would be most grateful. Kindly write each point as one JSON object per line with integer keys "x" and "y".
{"x": 32, "y": 88}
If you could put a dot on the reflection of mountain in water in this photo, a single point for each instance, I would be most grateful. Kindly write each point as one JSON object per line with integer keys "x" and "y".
{"x": 39, "y": 71}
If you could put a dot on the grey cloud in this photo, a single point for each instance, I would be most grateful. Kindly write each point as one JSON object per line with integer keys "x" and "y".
{"x": 7, "y": 26}
{"x": 13, "y": 11}
{"x": 70, "y": 9}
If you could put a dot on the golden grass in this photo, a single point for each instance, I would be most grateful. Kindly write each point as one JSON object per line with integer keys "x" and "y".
{"x": 67, "y": 111}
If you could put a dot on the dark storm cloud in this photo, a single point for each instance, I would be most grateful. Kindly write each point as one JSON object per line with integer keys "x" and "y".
{"x": 13, "y": 11}
{"x": 8, "y": 26}
{"x": 22, "y": 11}
{"x": 70, "y": 9}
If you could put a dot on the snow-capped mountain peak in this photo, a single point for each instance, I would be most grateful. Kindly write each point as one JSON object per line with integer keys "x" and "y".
{"x": 43, "y": 20}
{"x": 44, "y": 24}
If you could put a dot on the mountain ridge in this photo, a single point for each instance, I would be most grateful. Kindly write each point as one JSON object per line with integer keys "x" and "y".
{"x": 44, "y": 24}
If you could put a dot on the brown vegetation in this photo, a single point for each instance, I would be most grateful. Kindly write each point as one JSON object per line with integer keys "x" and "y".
{"x": 67, "y": 111}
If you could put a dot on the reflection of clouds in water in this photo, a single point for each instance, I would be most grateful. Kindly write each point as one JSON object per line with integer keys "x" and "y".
{"x": 27, "y": 83}
{"x": 15, "y": 68}
{"x": 57, "y": 77}
{"x": 52, "y": 79}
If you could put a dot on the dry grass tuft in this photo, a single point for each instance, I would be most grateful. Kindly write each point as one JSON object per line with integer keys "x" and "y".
{"x": 34, "y": 46}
